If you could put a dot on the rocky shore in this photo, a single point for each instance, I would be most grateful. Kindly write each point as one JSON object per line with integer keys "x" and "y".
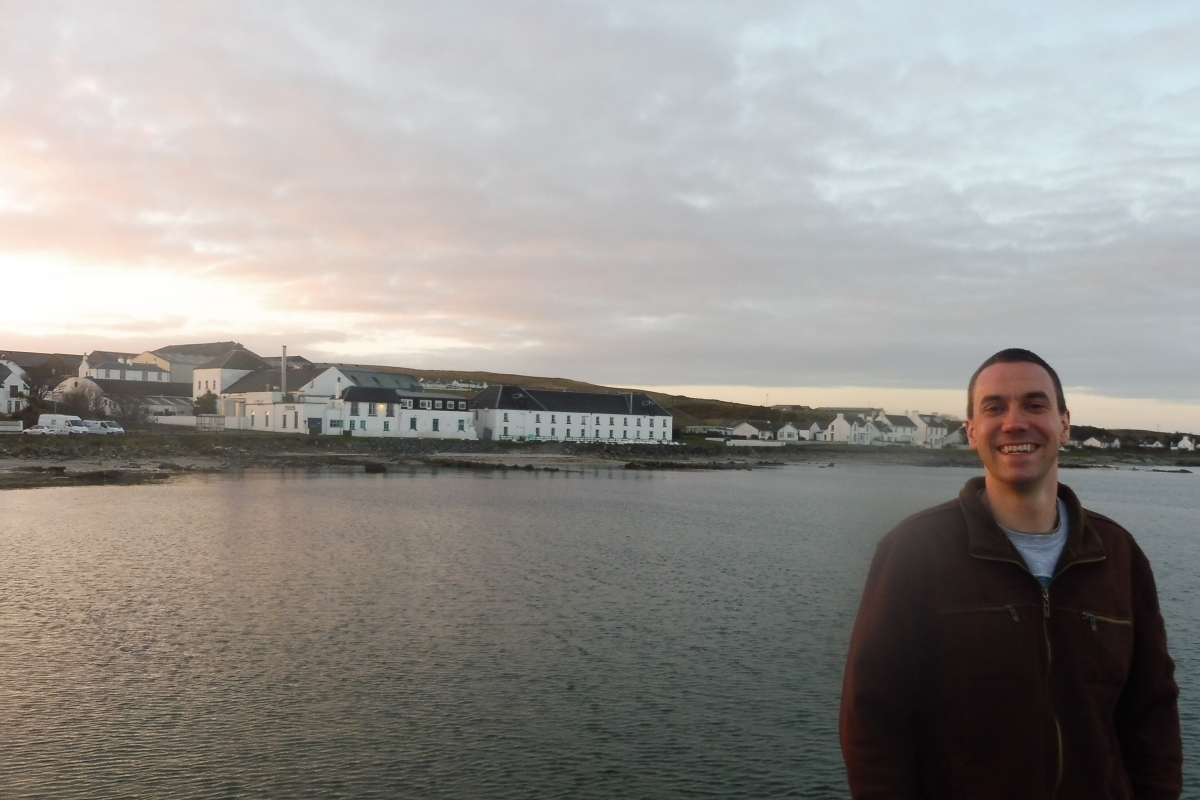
{"x": 147, "y": 457}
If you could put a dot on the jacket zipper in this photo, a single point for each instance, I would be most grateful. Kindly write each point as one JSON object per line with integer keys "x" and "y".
{"x": 1092, "y": 619}
{"x": 1049, "y": 651}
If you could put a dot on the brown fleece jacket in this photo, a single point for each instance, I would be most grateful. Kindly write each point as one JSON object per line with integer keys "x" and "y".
{"x": 966, "y": 679}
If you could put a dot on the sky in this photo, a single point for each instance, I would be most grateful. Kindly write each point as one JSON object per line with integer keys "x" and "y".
{"x": 802, "y": 200}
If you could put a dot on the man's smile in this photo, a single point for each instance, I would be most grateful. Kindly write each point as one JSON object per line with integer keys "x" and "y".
{"x": 1024, "y": 447}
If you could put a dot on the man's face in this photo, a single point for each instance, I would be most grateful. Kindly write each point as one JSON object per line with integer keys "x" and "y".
{"x": 1016, "y": 426}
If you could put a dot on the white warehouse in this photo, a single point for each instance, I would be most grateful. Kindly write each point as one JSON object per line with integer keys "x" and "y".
{"x": 512, "y": 413}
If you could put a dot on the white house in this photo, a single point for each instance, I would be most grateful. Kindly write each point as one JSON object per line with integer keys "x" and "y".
{"x": 12, "y": 386}
{"x": 180, "y": 360}
{"x": 91, "y": 361}
{"x": 1184, "y": 443}
{"x": 123, "y": 371}
{"x": 931, "y": 429}
{"x": 904, "y": 430}
{"x": 360, "y": 411}
{"x": 220, "y": 373}
{"x": 839, "y": 430}
{"x": 513, "y": 413}
{"x": 790, "y": 433}
{"x": 1102, "y": 442}
{"x": 748, "y": 429}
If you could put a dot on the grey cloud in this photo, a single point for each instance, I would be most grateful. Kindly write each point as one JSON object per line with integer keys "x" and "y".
{"x": 759, "y": 193}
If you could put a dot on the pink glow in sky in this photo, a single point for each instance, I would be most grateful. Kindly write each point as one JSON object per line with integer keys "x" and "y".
{"x": 702, "y": 194}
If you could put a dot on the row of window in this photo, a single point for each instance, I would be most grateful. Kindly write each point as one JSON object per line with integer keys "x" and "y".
{"x": 537, "y": 418}
{"x": 108, "y": 374}
{"x": 537, "y": 432}
{"x": 337, "y": 423}
{"x": 373, "y": 409}
{"x": 412, "y": 424}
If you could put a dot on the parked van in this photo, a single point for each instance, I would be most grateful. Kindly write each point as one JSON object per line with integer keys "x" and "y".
{"x": 103, "y": 426}
{"x": 66, "y": 423}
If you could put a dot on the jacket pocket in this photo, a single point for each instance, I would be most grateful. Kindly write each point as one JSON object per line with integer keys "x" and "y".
{"x": 986, "y": 642}
{"x": 1096, "y": 648}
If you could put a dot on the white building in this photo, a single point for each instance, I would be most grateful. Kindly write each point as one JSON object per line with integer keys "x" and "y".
{"x": 220, "y": 373}
{"x": 361, "y": 411}
{"x": 839, "y": 430}
{"x": 1184, "y": 443}
{"x": 12, "y": 386}
{"x": 180, "y": 360}
{"x": 1102, "y": 442}
{"x": 159, "y": 399}
{"x": 512, "y": 413}
{"x": 931, "y": 429}
{"x": 123, "y": 371}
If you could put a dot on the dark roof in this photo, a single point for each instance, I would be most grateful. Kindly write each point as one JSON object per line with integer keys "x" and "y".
{"x": 107, "y": 355}
{"x": 210, "y": 349}
{"x": 26, "y": 359}
{"x": 4, "y": 373}
{"x": 900, "y": 421}
{"x": 266, "y": 379}
{"x": 235, "y": 359}
{"x": 517, "y": 398}
{"x": 378, "y": 378}
{"x": 142, "y": 388}
{"x": 376, "y": 394}
{"x": 933, "y": 419}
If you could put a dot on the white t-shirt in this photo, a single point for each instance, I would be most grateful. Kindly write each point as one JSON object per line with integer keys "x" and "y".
{"x": 1041, "y": 550}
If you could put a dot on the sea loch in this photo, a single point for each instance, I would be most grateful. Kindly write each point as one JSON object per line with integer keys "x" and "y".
{"x": 464, "y": 634}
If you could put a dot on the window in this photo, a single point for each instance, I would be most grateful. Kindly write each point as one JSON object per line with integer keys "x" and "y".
{"x": 597, "y": 420}
{"x": 267, "y": 420}
{"x": 537, "y": 431}
{"x": 143, "y": 375}
{"x": 552, "y": 429}
{"x": 664, "y": 435}
{"x": 251, "y": 419}
{"x": 462, "y": 405}
{"x": 391, "y": 412}
{"x": 506, "y": 431}
{"x": 426, "y": 404}
{"x": 568, "y": 421}
{"x": 107, "y": 374}
{"x": 552, "y": 419}
{"x": 372, "y": 410}
{"x": 435, "y": 423}
{"x": 406, "y": 404}
{"x": 412, "y": 423}
{"x": 537, "y": 417}
{"x": 568, "y": 433}
{"x": 476, "y": 415}
{"x": 387, "y": 426}
{"x": 624, "y": 434}
{"x": 611, "y": 435}
{"x": 159, "y": 378}
{"x": 462, "y": 425}
{"x": 362, "y": 424}
{"x": 354, "y": 408}
{"x": 506, "y": 416}
{"x": 626, "y": 423}
{"x": 122, "y": 374}
{"x": 283, "y": 422}
{"x": 639, "y": 435}
{"x": 295, "y": 419}
{"x": 351, "y": 424}
{"x": 437, "y": 404}
{"x": 652, "y": 422}
{"x": 610, "y": 421}
{"x": 639, "y": 422}
{"x": 597, "y": 436}
{"x": 335, "y": 423}
{"x": 12, "y": 390}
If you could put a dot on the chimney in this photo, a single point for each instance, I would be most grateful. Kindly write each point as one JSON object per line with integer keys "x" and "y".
{"x": 283, "y": 371}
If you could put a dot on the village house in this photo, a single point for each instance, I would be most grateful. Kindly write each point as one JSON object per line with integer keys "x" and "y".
{"x": 513, "y": 413}
{"x": 1102, "y": 442}
{"x": 1184, "y": 443}
{"x": 12, "y": 386}
{"x": 179, "y": 361}
{"x": 748, "y": 429}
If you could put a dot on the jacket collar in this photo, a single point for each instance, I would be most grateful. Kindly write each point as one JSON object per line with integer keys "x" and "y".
{"x": 986, "y": 540}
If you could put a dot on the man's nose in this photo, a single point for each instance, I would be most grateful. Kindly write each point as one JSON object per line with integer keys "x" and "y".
{"x": 1014, "y": 417}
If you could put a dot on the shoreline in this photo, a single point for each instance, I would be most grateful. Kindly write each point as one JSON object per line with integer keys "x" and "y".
{"x": 142, "y": 457}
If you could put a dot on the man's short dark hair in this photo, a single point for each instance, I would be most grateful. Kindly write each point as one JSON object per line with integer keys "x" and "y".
{"x": 1016, "y": 355}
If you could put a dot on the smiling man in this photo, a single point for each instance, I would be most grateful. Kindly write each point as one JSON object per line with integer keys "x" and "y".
{"x": 1009, "y": 643}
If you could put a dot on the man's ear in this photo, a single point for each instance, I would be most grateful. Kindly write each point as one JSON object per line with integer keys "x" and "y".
{"x": 969, "y": 427}
{"x": 1065, "y": 435}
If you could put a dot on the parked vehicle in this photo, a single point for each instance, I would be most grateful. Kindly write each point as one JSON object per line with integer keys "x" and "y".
{"x": 103, "y": 426}
{"x": 63, "y": 423}
{"x": 42, "y": 430}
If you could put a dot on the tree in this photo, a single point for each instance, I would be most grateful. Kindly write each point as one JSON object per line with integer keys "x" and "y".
{"x": 205, "y": 404}
{"x": 82, "y": 403}
{"x": 129, "y": 410}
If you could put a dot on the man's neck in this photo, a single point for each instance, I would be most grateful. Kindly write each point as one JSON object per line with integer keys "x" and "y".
{"x": 1024, "y": 509}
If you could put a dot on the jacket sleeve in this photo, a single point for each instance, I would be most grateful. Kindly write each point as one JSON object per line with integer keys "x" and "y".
{"x": 882, "y": 682}
{"x": 1147, "y": 716}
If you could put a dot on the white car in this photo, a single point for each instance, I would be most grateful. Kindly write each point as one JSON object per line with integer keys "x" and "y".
{"x": 42, "y": 430}
{"x": 103, "y": 426}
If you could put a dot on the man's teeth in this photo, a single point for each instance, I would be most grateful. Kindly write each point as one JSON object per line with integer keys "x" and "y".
{"x": 1017, "y": 448}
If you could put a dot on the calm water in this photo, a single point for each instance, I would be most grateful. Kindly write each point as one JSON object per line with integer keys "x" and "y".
{"x": 462, "y": 635}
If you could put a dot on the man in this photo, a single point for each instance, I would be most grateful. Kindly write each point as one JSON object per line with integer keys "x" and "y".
{"x": 1009, "y": 643}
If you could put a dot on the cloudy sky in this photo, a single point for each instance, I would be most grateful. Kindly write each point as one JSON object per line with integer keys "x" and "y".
{"x": 807, "y": 200}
